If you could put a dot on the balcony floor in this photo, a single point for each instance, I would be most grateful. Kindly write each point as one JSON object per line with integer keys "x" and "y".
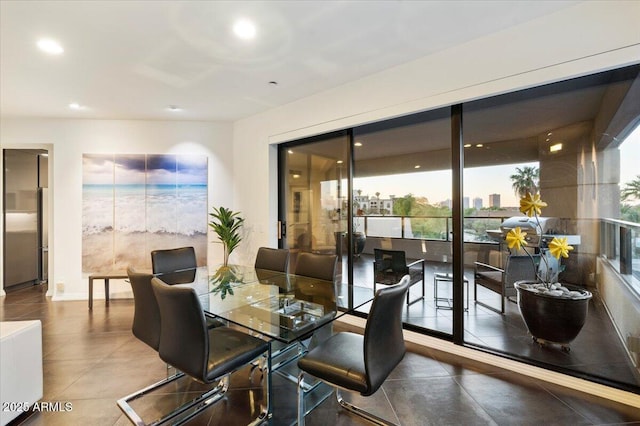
{"x": 596, "y": 351}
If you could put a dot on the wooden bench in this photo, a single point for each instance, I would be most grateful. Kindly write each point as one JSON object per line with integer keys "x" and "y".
{"x": 106, "y": 276}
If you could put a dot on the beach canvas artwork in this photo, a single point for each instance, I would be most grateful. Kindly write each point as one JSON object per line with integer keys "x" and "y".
{"x": 136, "y": 203}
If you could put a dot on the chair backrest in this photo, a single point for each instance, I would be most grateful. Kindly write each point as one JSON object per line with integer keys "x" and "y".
{"x": 383, "y": 339}
{"x": 272, "y": 259}
{"x": 320, "y": 266}
{"x": 520, "y": 268}
{"x": 392, "y": 260}
{"x": 146, "y": 314}
{"x": 175, "y": 266}
{"x": 184, "y": 341}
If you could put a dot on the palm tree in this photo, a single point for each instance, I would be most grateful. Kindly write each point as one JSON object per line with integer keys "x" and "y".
{"x": 525, "y": 180}
{"x": 631, "y": 190}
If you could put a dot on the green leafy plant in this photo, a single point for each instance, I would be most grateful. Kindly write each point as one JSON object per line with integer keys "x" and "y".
{"x": 223, "y": 279}
{"x": 227, "y": 225}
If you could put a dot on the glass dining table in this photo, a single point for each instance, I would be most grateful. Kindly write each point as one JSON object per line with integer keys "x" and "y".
{"x": 279, "y": 306}
{"x": 292, "y": 311}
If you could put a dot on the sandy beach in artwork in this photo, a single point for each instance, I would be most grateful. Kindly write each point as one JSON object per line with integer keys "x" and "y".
{"x": 134, "y": 204}
{"x": 104, "y": 252}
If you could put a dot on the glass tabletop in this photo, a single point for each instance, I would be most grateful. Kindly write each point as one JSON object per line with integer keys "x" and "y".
{"x": 283, "y": 306}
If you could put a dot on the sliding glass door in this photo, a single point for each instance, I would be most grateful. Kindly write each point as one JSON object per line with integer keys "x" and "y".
{"x": 573, "y": 143}
{"x": 314, "y": 176}
{"x": 444, "y": 186}
{"x": 402, "y": 203}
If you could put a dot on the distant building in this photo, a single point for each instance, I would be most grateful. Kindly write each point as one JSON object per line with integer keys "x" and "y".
{"x": 465, "y": 202}
{"x": 494, "y": 200}
{"x": 446, "y": 203}
{"x": 477, "y": 203}
{"x": 373, "y": 205}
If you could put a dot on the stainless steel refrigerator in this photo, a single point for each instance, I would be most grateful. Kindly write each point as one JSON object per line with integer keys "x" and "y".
{"x": 24, "y": 209}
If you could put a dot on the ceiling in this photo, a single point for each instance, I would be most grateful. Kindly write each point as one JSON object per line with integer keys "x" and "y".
{"x": 133, "y": 59}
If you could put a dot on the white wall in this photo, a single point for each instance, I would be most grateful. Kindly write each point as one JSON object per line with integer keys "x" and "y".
{"x": 67, "y": 140}
{"x": 588, "y": 37}
{"x": 585, "y": 38}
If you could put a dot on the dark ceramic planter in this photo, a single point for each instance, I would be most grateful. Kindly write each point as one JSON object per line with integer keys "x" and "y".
{"x": 359, "y": 241}
{"x": 553, "y": 319}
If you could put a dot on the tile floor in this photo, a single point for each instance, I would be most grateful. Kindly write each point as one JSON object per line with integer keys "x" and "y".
{"x": 91, "y": 359}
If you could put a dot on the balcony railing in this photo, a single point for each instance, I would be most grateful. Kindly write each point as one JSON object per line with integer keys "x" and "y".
{"x": 437, "y": 228}
{"x": 620, "y": 245}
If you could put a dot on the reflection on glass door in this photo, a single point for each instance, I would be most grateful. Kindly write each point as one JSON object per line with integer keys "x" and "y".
{"x": 402, "y": 205}
{"x": 314, "y": 197}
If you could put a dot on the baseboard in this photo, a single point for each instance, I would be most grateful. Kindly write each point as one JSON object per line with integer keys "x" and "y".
{"x": 570, "y": 382}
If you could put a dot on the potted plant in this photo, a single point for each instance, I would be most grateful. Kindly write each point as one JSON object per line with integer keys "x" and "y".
{"x": 227, "y": 225}
{"x": 359, "y": 237}
{"x": 553, "y": 312}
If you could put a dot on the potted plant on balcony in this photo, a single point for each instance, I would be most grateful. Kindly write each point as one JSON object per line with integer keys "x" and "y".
{"x": 227, "y": 225}
{"x": 553, "y": 312}
{"x": 359, "y": 237}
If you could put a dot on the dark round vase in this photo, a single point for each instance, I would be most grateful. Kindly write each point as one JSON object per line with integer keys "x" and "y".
{"x": 551, "y": 318}
{"x": 359, "y": 239}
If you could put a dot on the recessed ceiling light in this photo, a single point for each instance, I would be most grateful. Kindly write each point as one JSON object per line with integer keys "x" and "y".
{"x": 555, "y": 148}
{"x": 295, "y": 176}
{"x": 417, "y": 166}
{"x": 290, "y": 152}
{"x": 479, "y": 145}
{"x": 339, "y": 161}
{"x": 357, "y": 144}
{"x": 244, "y": 29}
{"x": 75, "y": 105}
{"x": 49, "y": 46}
{"x": 467, "y": 145}
{"x": 174, "y": 108}
{"x": 273, "y": 83}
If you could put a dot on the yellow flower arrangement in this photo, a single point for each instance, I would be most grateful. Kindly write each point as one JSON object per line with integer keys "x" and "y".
{"x": 515, "y": 238}
{"x": 532, "y": 205}
{"x": 559, "y": 247}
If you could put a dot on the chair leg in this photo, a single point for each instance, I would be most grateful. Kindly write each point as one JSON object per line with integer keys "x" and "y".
{"x": 266, "y": 410}
{"x": 301, "y": 398}
{"x": 205, "y": 399}
{"x": 360, "y": 412}
{"x": 198, "y": 404}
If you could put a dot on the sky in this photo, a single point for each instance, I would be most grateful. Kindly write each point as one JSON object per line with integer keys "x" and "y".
{"x": 141, "y": 169}
{"x": 481, "y": 181}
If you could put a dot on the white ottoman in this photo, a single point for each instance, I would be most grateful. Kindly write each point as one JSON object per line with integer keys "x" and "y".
{"x": 20, "y": 367}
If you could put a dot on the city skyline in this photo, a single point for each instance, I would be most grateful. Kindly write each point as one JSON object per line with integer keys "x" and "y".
{"x": 480, "y": 182}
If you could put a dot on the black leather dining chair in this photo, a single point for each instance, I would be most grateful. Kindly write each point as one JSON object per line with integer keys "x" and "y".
{"x": 360, "y": 363}
{"x": 320, "y": 266}
{"x": 174, "y": 266}
{"x": 272, "y": 259}
{"x": 146, "y": 314}
{"x": 207, "y": 355}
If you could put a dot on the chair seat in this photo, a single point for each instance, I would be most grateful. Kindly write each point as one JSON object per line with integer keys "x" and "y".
{"x": 230, "y": 349}
{"x": 339, "y": 360}
{"x": 492, "y": 279}
{"x": 392, "y": 278}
